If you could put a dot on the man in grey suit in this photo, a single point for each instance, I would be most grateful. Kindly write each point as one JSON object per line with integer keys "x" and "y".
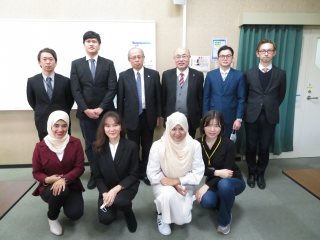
{"x": 266, "y": 89}
{"x": 48, "y": 91}
{"x": 139, "y": 104}
{"x": 94, "y": 86}
{"x": 182, "y": 90}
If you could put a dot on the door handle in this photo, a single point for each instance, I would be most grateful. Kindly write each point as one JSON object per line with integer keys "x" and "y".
{"x": 310, "y": 98}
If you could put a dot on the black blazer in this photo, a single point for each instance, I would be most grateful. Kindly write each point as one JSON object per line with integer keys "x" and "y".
{"x": 123, "y": 170}
{"x": 41, "y": 104}
{"x": 270, "y": 99}
{"x": 92, "y": 93}
{"x": 128, "y": 102}
{"x": 194, "y": 95}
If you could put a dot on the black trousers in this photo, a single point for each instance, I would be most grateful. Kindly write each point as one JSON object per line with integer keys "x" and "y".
{"x": 70, "y": 200}
{"x": 259, "y": 136}
{"x": 122, "y": 202}
{"x": 142, "y": 136}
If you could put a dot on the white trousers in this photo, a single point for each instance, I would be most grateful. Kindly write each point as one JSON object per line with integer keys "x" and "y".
{"x": 174, "y": 207}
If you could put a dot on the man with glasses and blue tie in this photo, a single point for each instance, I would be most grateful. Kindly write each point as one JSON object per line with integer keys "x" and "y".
{"x": 182, "y": 90}
{"x": 266, "y": 89}
{"x": 139, "y": 104}
{"x": 94, "y": 86}
{"x": 48, "y": 91}
{"x": 224, "y": 91}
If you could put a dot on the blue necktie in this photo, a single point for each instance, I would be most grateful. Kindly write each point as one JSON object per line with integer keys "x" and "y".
{"x": 139, "y": 92}
{"x": 92, "y": 67}
{"x": 49, "y": 87}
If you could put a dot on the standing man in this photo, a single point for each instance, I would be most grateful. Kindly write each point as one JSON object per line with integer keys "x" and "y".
{"x": 94, "y": 86}
{"x": 266, "y": 89}
{"x": 139, "y": 104}
{"x": 182, "y": 90}
{"x": 224, "y": 91}
{"x": 48, "y": 91}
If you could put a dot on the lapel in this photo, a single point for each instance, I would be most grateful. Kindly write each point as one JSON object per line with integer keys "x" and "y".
{"x": 119, "y": 152}
{"x": 85, "y": 66}
{"x": 99, "y": 66}
{"x": 131, "y": 79}
{"x": 172, "y": 82}
{"x": 256, "y": 80}
{"x": 42, "y": 88}
{"x": 273, "y": 78}
{"x": 147, "y": 82}
{"x": 219, "y": 80}
{"x": 228, "y": 80}
{"x": 109, "y": 162}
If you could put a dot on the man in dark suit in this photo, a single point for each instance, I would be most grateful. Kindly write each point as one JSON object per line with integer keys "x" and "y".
{"x": 48, "y": 91}
{"x": 94, "y": 86}
{"x": 182, "y": 90}
{"x": 139, "y": 104}
{"x": 224, "y": 91}
{"x": 266, "y": 88}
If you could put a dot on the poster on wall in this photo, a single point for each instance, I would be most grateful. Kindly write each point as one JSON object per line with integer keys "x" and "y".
{"x": 216, "y": 44}
{"x": 200, "y": 63}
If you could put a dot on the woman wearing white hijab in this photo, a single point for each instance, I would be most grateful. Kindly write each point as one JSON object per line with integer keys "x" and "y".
{"x": 175, "y": 168}
{"x": 57, "y": 164}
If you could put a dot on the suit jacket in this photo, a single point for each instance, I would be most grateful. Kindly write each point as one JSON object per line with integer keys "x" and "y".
{"x": 270, "y": 99}
{"x": 39, "y": 101}
{"x": 91, "y": 93}
{"x": 123, "y": 170}
{"x": 46, "y": 163}
{"x": 225, "y": 96}
{"x": 194, "y": 95}
{"x": 128, "y": 101}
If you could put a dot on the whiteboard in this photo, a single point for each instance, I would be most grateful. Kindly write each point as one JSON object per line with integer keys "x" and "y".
{"x": 21, "y": 40}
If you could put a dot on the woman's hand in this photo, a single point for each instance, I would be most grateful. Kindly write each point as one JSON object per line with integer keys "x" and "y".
{"x": 58, "y": 186}
{"x": 170, "y": 181}
{"x": 52, "y": 179}
{"x": 108, "y": 197}
{"x": 181, "y": 189}
{"x": 200, "y": 192}
{"x": 223, "y": 173}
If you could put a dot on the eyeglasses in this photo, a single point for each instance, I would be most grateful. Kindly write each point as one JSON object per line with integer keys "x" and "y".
{"x": 184, "y": 56}
{"x": 264, "y": 51}
{"x": 225, "y": 56}
{"x": 137, "y": 57}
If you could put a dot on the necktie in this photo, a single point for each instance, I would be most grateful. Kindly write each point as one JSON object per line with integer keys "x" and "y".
{"x": 265, "y": 70}
{"x": 224, "y": 75}
{"x": 139, "y": 92}
{"x": 181, "y": 79}
{"x": 49, "y": 87}
{"x": 93, "y": 67}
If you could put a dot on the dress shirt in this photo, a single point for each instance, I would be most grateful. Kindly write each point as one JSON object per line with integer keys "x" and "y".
{"x": 224, "y": 74}
{"x": 95, "y": 60}
{"x": 113, "y": 149}
{"x": 44, "y": 81}
{"x": 263, "y": 67}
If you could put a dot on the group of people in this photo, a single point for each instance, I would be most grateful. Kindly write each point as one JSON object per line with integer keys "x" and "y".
{"x": 115, "y": 136}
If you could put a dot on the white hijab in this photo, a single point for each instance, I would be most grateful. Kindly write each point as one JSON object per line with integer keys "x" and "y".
{"x": 55, "y": 144}
{"x": 178, "y": 156}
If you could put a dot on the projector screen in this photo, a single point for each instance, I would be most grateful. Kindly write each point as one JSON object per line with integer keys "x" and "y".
{"x": 21, "y": 40}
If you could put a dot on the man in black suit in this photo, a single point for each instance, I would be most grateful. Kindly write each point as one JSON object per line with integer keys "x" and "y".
{"x": 48, "y": 91}
{"x": 266, "y": 89}
{"x": 139, "y": 104}
{"x": 94, "y": 86}
{"x": 182, "y": 90}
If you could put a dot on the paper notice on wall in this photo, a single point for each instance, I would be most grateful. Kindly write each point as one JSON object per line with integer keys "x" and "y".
{"x": 216, "y": 44}
{"x": 201, "y": 63}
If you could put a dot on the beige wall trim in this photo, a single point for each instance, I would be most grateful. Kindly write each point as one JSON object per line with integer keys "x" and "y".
{"x": 263, "y": 18}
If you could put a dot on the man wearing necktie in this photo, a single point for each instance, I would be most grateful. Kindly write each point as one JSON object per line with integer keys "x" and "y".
{"x": 48, "y": 91}
{"x": 266, "y": 89}
{"x": 94, "y": 86}
{"x": 183, "y": 92}
{"x": 224, "y": 91}
{"x": 139, "y": 104}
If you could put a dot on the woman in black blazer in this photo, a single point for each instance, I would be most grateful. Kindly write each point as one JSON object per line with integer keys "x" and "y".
{"x": 115, "y": 171}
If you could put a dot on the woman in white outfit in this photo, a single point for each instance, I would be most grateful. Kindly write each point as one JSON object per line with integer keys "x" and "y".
{"x": 175, "y": 168}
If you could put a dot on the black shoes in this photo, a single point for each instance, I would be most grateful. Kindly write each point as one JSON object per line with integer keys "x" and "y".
{"x": 91, "y": 183}
{"x": 131, "y": 221}
{"x": 145, "y": 179}
{"x": 261, "y": 182}
{"x": 251, "y": 181}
